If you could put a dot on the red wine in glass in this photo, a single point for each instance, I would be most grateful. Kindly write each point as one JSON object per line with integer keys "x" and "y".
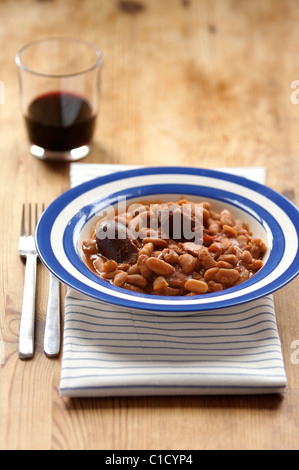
{"x": 60, "y": 121}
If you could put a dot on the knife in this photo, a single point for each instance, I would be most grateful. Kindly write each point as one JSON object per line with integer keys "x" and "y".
{"x": 52, "y": 328}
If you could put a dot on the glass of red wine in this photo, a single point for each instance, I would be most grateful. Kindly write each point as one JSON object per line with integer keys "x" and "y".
{"x": 59, "y": 85}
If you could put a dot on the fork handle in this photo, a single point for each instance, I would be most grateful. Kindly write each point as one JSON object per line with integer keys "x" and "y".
{"x": 52, "y": 329}
{"x": 26, "y": 338}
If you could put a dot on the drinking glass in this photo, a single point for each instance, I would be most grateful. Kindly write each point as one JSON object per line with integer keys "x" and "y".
{"x": 59, "y": 87}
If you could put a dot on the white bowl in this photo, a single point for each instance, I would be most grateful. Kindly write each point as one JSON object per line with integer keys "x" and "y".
{"x": 271, "y": 217}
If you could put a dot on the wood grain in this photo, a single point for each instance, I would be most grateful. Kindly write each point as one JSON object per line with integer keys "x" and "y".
{"x": 185, "y": 82}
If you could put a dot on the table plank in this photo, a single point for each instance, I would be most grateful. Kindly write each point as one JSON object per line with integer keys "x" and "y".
{"x": 186, "y": 82}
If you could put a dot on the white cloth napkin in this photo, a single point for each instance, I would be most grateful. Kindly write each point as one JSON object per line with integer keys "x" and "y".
{"x": 113, "y": 351}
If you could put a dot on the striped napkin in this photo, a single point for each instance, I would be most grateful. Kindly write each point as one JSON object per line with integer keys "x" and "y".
{"x": 114, "y": 351}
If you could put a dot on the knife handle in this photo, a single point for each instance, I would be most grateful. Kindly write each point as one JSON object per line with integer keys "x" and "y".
{"x": 52, "y": 329}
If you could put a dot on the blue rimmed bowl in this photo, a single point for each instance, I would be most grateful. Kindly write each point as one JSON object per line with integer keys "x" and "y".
{"x": 68, "y": 220}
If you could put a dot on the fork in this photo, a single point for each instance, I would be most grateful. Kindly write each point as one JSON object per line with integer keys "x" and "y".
{"x": 28, "y": 251}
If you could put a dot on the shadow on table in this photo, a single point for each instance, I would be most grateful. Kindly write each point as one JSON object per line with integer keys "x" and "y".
{"x": 254, "y": 402}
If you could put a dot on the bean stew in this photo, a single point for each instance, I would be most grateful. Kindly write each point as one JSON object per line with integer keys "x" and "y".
{"x": 173, "y": 249}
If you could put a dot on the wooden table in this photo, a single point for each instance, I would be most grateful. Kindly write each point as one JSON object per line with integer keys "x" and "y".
{"x": 188, "y": 82}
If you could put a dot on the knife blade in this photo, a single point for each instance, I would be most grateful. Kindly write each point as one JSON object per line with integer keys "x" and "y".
{"x": 52, "y": 329}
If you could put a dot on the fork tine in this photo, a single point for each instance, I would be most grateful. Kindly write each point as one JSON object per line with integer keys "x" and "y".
{"x": 23, "y": 221}
{"x": 30, "y": 221}
{"x": 36, "y": 214}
